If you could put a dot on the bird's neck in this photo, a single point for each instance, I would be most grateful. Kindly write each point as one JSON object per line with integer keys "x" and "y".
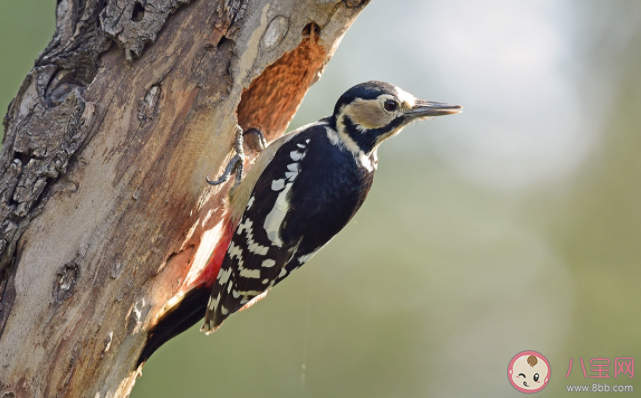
{"x": 364, "y": 152}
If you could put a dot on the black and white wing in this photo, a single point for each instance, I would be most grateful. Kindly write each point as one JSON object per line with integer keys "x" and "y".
{"x": 305, "y": 196}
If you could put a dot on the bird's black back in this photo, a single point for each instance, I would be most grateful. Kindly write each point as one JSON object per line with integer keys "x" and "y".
{"x": 325, "y": 194}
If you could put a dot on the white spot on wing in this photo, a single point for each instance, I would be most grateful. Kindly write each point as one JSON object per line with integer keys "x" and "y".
{"x": 251, "y": 293}
{"x": 250, "y": 273}
{"x": 257, "y": 249}
{"x": 235, "y": 252}
{"x": 251, "y": 202}
{"x": 213, "y": 303}
{"x": 268, "y": 263}
{"x": 277, "y": 185}
{"x": 223, "y": 276}
{"x": 252, "y": 246}
{"x": 283, "y": 272}
{"x": 276, "y": 216}
{"x": 223, "y": 310}
{"x": 301, "y": 145}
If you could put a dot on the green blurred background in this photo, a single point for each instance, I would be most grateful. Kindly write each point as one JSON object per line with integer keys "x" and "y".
{"x": 514, "y": 226}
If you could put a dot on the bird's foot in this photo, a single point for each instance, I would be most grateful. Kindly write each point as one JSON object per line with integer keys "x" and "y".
{"x": 255, "y": 142}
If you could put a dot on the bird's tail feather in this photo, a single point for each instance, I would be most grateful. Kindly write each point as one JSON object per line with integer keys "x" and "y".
{"x": 176, "y": 320}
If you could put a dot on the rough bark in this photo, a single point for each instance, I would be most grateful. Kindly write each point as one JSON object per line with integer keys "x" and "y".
{"x": 104, "y": 210}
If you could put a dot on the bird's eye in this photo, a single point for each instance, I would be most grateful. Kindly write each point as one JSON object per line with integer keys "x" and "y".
{"x": 536, "y": 377}
{"x": 391, "y": 105}
{"x": 522, "y": 375}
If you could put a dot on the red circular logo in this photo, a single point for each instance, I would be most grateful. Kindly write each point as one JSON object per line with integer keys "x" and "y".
{"x": 529, "y": 372}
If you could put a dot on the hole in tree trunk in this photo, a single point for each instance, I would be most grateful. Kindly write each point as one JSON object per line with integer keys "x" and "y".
{"x": 138, "y": 13}
{"x": 311, "y": 30}
{"x": 272, "y": 99}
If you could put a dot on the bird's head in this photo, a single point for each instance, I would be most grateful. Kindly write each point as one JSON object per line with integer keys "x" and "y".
{"x": 371, "y": 112}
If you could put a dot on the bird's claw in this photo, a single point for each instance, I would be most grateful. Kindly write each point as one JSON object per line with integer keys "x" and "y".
{"x": 235, "y": 165}
{"x": 254, "y": 140}
{"x": 257, "y": 143}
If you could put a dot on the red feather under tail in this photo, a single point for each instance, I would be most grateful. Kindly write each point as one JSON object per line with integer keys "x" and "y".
{"x": 211, "y": 270}
{"x": 189, "y": 307}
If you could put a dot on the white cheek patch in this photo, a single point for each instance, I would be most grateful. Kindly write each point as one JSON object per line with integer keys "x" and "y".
{"x": 406, "y": 98}
{"x": 366, "y": 114}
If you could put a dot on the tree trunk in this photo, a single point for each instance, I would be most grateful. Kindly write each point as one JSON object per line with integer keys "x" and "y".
{"x": 104, "y": 209}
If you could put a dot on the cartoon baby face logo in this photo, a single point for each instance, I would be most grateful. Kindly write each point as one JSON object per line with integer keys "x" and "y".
{"x": 529, "y": 372}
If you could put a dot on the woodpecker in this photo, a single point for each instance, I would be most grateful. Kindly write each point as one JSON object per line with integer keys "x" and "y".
{"x": 303, "y": 189}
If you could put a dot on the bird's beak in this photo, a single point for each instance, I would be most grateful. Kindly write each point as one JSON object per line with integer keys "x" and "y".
{"x": 429, "y": 109}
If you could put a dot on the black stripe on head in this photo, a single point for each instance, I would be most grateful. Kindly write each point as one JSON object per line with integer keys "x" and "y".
{"x": 368, "y": 91}
{"x": 366, "y": 140}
